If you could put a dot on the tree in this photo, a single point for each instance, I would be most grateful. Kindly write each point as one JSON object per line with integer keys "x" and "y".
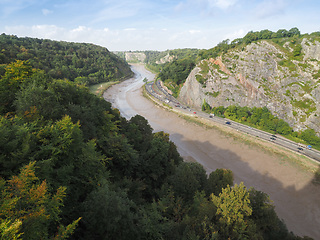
{"x": 219, "y": 179}
{"x": 233, "y": 212}
{"x": 282, "y": 33}
{"x": 200, "y": 219}
{"x": 15, "y": 75}
{"x": 206, "y": 107}
{"x": 265, "y": 34}
{"x": 29, "y": 209}
{"x": 188, "y": 178}
{"x": 294, "y": 32}
{"x": 157, "y": 163}
{"x": 265, "y": 217}
{"x": 297, "y": 50}
{"x": 109, "y": 214}
{"x": 250, "y": 37}
{"x": 139, "y": 133}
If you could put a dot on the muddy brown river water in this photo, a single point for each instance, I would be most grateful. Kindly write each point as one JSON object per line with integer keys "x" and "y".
{"x": 296, "y": 199}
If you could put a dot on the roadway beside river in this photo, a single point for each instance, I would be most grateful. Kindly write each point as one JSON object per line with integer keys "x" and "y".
{"x": 295, "y": 198}
{"x": 156, "y": 91}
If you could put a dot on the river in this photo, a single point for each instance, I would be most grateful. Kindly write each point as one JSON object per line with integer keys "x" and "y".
{"x": 296, "y": 199}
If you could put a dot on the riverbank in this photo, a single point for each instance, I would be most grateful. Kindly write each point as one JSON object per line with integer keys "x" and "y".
{"x": 292, "y": 157}
{"x": 295, "y": 198}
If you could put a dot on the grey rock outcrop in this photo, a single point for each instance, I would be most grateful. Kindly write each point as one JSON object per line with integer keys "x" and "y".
{"x": 261, "y": 74}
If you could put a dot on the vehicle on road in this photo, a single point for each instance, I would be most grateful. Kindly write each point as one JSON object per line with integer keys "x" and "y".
{"x": 195, "y": 112}
{"x": 300, "y": 148}
{"x": 272, "y": 138}
{"x": 228, "y": 123}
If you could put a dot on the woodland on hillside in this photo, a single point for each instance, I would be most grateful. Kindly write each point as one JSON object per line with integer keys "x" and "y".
{"x": 79, "y": 62}
{"x": 72, "y": 167}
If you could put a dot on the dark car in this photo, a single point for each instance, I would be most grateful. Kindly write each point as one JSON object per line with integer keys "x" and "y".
{"x": 229, "y": 123}
{"x": 300, "y": 148}
{"x": 272, "y": 138}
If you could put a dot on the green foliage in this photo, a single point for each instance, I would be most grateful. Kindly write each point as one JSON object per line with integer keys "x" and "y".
{"x": 200, "y": 79}
{"x": 205, "y": 107}
{"x": 29, "y": 208}
{"x": 154, "y": 56}
{"x": 187, "y": 180}
{"x": 175, "y": 73}
{"x": 109, "y": 215}
{"x": 213, "y": 94}
{"x": 219, "y": 179}
{"x": 316, "y": 75}
{"x": 250, "y": 37}
{"x": 262, "y": 118}
{"x": 16, "y": 74}
{"x": 258, "y": 117}
{"x": 310, "y": 137}
{"x": 307, "y": 104}
{"x": 65, "y": 60}
{"x": 265, "y": 217}
{"x": 124, "y": 180}
{"x": 297, "y": 50}
{"x": 288, "y": 64}
{"x": 233, "y": 213}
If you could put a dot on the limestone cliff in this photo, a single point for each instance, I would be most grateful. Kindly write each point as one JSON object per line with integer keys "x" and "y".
{"x": 136, "y": 57}
{"x": 262, "y": 74}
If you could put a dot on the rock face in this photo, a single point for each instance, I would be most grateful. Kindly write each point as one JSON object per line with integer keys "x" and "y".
{"x": 166, "y": 58}
{"x": 262, "y": 74}
{"x": 135, "y": 57}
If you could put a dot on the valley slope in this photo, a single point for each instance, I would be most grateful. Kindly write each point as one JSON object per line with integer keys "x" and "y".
{"x": 281, "y": 74}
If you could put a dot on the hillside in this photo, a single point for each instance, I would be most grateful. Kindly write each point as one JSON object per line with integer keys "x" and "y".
{"x": 280, "y": 73}
{"x": 156, "y": 59}
{"x": 79, "y": 62}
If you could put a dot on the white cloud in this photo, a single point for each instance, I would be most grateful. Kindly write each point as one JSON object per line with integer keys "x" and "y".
{"x": 129, "y": 29}
{"x": 46, "y": 12}
{"x": 194, "y": 31}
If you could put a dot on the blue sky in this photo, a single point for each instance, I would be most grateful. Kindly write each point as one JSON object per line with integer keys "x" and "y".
{"x": 154, "y": 24}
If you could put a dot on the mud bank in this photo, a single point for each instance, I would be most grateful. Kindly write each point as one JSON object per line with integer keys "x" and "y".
{"x": 296, "y": 199}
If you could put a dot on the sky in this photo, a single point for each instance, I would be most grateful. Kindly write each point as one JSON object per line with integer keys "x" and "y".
{"x": 123, "y": 25}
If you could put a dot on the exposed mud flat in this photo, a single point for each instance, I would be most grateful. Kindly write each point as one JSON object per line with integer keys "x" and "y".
{"x": 296, "y": 199}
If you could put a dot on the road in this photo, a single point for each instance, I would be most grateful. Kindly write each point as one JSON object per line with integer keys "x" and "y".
{"x": 155, "y": 89}
{"x": 296, "y": 200}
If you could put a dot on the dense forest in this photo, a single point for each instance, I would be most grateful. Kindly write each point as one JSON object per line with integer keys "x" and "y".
{"x": 79, "y": 62}
{"x": 72, "y": 167}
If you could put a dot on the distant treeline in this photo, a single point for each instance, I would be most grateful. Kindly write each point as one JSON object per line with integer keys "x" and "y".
{"x": 250, "y": 37}
{"x": 78, "y": 62}
{"x": 221, "y": 48}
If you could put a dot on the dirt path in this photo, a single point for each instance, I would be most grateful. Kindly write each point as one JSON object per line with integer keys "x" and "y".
{"x": 296, "y": 199}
